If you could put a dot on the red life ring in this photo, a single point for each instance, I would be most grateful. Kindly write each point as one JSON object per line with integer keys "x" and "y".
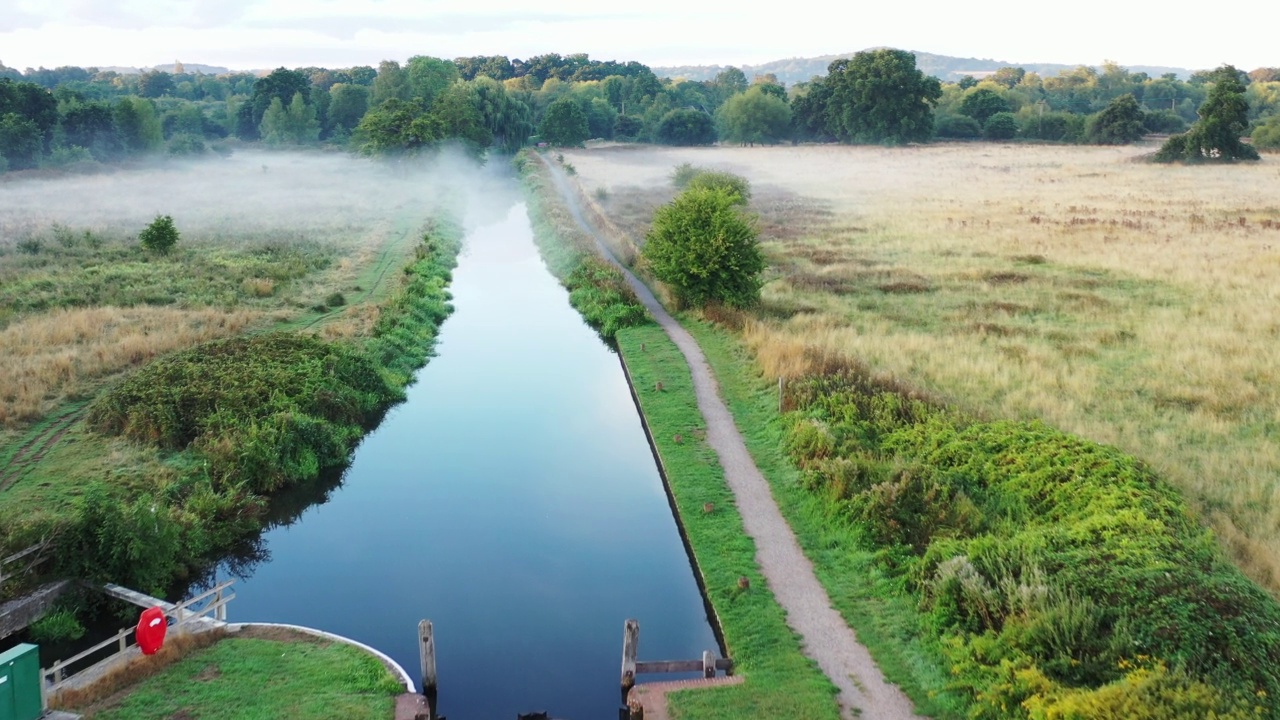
{"x": 151, "y": 629}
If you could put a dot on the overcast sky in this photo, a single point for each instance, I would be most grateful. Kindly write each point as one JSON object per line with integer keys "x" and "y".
{"x": 247, "y": 34}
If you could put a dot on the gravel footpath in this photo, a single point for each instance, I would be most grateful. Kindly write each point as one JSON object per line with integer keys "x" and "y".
{"x": 825, "y": 636}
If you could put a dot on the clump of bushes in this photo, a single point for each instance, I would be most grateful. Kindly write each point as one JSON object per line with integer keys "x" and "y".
{"x": 1059, "y": 577}
{"x": 599, "y": 292}
{"x": 269, "y": 409}
{"x": 686, "y": 175}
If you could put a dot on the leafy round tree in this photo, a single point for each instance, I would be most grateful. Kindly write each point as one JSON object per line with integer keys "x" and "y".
{"x": 1215, "y": 137}
{"x": 160, "y": 236}
{"x": 1001, "y": 126}
{"x": 686, "y": 127}
{"x": 564, "y": 124}
{"x": 879, "y": 96}
{"x": 755, "y": 116}
{"x": 981, "y": 103}
{"x": 703, "y": 247}
{"x": 1120, "y": 123}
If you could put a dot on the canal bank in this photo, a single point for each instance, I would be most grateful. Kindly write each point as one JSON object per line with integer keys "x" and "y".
{"x": 513, "y": 500}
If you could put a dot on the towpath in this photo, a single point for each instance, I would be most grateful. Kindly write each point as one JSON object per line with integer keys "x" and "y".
{"x": 826, "y": 637}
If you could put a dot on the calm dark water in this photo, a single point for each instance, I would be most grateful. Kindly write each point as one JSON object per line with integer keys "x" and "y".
{"x": 512, "y": 500}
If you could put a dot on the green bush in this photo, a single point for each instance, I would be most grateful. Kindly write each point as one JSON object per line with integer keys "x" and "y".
{"x": 1163, "y": 122}
{"x": 1060, "y": 578}
{"x": 1001, "y": 126}
{"x": 726, "y": 181}
{"x": 961, "y": 127}
{"x": 705, "y": 249}
{"x": 160, "y": 236}
{"x": 335, "y": 299}
{"x": 1267, "y": 135}
{"x": 683, "y": 173}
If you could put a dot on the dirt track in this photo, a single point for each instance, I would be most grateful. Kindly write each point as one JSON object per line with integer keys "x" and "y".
{"x": 827, "y": 639}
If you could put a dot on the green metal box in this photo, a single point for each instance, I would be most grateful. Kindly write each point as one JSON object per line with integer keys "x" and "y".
{"x": 20, "y": 683}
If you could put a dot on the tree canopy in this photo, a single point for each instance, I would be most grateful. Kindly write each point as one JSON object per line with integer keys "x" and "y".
{"x": 686, "y": 127}
{"x": 755, "y": 116}
{"x": 564, "y": 124}
{"x": 1224, "y": 117}
{"x": 878, "y": 96}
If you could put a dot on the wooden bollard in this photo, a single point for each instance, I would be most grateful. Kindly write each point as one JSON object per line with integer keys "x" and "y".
{"x": 630, "y": 639}
{"x": 427, "y": 654}
{"x": 708, "y": 664}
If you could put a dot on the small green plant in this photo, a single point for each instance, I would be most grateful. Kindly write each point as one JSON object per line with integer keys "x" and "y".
{"x": 160, "y": 236}
{"x": 335, "y": 299}
{"x": 65, "y": 237}
{"x": 683, "y": 173}
{"x": 570, "y": 169}
{"x": 716, "y": 180}
{"x": 602, "y": 193}
{"x": 30, "y": 246}
{"x": 58, "y": 625}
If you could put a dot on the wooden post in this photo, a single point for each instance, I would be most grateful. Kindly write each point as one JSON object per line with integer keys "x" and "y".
{"x": 708, "y": 664}
{"x": 57, "y": 671}
{"x": 124, "y": 641}
{"x": 630, "y": 639}
{"x": 220, "y": 613}
{"x": 427, "y": 653}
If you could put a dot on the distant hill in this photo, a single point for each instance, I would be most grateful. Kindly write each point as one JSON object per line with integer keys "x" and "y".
{"x": 943, "y": 67}
{"x": 192, "y": 68}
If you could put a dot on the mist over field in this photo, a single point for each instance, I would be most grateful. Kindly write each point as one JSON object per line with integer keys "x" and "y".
{"x": 251, "y": 193}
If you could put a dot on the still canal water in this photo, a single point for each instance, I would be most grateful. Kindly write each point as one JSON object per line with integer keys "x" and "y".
{"x": 512, "y": 500}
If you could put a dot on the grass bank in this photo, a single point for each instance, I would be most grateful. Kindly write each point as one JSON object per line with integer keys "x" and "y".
{"x": 256, "y": 677}
{"x": 779, "y": 680}
{"x": 210, "y": 432}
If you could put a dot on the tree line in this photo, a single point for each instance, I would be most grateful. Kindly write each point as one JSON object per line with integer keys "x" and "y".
{"x": 68, "y": 115}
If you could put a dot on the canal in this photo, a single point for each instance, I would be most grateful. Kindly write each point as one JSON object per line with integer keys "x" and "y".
{"x": 512, "y": 500}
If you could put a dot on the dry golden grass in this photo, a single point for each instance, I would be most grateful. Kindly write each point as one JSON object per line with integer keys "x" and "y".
{"x": 120, "y": 679}
{"x": 1131, "y": 303}
{"x": 48, "y": 357}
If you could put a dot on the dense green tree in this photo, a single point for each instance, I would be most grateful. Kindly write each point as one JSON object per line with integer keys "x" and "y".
{"x": 809, "y": 111}
{"x": 396, "y": 127}
{"x": 730, "y": 82}
{"x": 30, "y": 101}
{"x": 348, "y": 103}
{"x": 137, "y": 124}
{"x": 281, "y": 84}
{"x": 428, "y": 77}
{"x": 363, "y": 75}
{"x": 160, "y": 236}
{"x": 705, "y": 249}
{"x": 1224, "y": 117}
{"x": 507, "y": 116}
{"x": 1001, "y": 126}
{"x": 564, "y": 124}
{"x": 274, "y": 129}
{"x": 981, "y": 103}
{"x": 627, "y": 126}
{"x": 392, "y": 83}
{"x": 20, "y": 141}
{"x": 960, "y": 127}
{"x": 154, "y": 84}
{"x": 456, "y": 109}
{"x": 879, "y": 96}
{"x": 1008, "y": 76}
{"x": 1120, "y": 123}
{"x": 755, "y": 116}
{"x": 600, "y": 118}
{"x": 686, "y": 127}
{"x": 966, "y": 82}
{"x": 91, "y": 126}
{"x": 1267, "y": 135}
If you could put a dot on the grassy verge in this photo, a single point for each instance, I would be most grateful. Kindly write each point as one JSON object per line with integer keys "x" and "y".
{"x": 780, "y": 680}
{"x": 260, "y": 678}
{"x": 874, "y": 603}
{"x": 597, "y": 290}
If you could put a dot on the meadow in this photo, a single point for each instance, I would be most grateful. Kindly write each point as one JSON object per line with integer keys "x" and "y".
{"x": 1128, "y": 303}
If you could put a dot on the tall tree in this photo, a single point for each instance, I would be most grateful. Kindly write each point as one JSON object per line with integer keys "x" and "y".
{"x": 1120, "y": 123}
{"x": 137, "y": 124}
{"x": 154, "y": 84}
{"x": 686, "y": 127}
{"x": 755, "y": 116}
{"x": 879, "y": 96}
{"x": 347, "y": 104}
{"x": 391, "y": 83}
{"x": 1224, "y": 117}
{"x": 564, "y": 124}
{"x": 428, "y": 77}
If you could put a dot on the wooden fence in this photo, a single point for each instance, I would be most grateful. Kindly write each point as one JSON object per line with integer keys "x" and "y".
{"x": 57, "y": 677}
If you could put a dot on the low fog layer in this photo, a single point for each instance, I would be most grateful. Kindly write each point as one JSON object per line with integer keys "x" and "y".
{"x": 247, "y": 193}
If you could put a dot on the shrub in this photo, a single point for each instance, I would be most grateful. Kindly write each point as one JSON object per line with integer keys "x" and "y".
{"x": 160, "y": 236}
{"x": 735, "y": 185}
{"x": 957, "y": 127}
{"x": 1001, "y": 126}
{"x": 1163, "y": 122}
{"x": 1060, "y": 578}
{"x": 683, "y": 173}
{"x": 705, "y": 249}
{"x": 1120, "y": 123}
{"x": 1267, "y": 135}
{"x": 686, "y": 127}
{"x": 335, "y": 299}
{"x": 56, "y": 626}
{"x": 183, "y": 144}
